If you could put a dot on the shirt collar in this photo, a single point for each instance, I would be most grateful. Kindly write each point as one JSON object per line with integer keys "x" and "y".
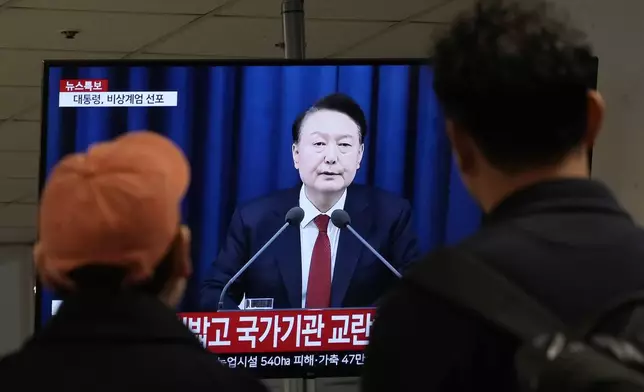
{"x": 310, "y": 211}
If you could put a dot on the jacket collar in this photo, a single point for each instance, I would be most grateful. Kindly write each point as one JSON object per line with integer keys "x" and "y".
{"x": 567, "y": 195}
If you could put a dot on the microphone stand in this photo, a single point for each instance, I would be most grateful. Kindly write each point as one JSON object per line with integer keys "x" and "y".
{"x": 375, "y": 252}
{"x": 239, "y": 273}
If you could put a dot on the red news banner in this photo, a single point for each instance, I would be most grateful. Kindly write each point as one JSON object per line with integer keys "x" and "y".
{"x": 83, "y": 85}
{"x": 271, "y": 331}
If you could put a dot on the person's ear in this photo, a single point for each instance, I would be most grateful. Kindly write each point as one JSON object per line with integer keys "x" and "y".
{"x": 183, "y": 266}
{"x": 595, "y": 117}
{"x": 360, "y": 155}
{"x": 174, "y": 289}
{"x": 180, "y": 254}
{"x": 296, "y": 155}
{"x": 463, "y": 147}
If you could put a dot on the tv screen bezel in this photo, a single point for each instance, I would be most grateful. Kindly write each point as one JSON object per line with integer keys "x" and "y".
{"x": 48, "y": 64}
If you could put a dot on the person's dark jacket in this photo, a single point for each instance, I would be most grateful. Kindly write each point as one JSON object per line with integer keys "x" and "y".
{"x": 120, "y": 342}
{"x": 567, "y": 243}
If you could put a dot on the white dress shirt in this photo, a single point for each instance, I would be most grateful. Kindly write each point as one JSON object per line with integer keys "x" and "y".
{"x": 309, "y": 233}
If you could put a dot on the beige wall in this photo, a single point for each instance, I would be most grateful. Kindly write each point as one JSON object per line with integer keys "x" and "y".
{"x": 615, "y": 28}
{"x": 16, "y": 296}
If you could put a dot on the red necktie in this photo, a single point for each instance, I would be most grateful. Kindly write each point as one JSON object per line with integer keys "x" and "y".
{"x": 318, "y": 293}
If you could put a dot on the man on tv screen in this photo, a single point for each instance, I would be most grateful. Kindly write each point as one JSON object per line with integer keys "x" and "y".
{"x": 316, "y": 265}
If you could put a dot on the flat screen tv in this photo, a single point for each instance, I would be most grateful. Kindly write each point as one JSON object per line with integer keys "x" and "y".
{"x": 263, "y": 137}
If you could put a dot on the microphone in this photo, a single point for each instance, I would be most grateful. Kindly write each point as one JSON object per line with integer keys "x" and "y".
{"x": 293, "y": 217}
{"x": 341, "y": 219}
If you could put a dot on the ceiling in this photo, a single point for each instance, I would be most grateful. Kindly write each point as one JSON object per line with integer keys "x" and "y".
{"x": 30, "y": 32}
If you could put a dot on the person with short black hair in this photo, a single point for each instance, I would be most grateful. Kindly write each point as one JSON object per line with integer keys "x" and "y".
{"x": 112, "y": 247}
{"x": 337, "y": 102}
{"x": 317, "y": 266}
{"x": 515, "y": 83}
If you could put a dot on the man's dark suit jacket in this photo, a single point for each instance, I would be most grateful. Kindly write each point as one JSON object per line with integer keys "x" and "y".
{"x": 568, "y": 243}
{"x": 118, "y": 342}
{"x": 359, "y": 278}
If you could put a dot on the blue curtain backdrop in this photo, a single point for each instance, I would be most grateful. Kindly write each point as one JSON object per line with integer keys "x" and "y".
{"x": 234, "y": 123}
